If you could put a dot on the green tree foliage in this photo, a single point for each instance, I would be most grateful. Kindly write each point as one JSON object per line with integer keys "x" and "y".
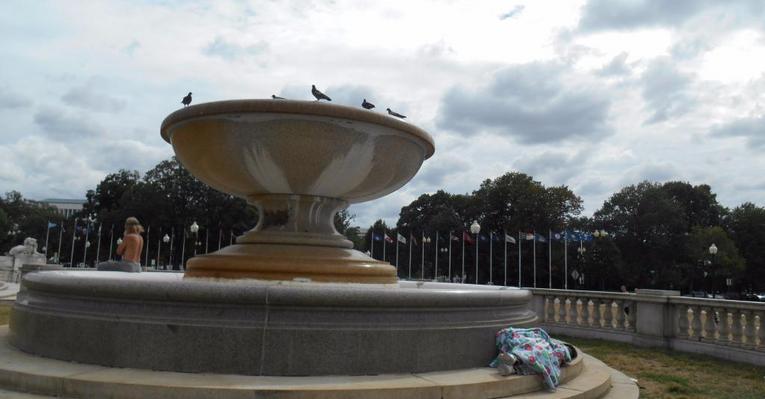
{"x": 714, "y": 268}
{"x": 746, "y": 224}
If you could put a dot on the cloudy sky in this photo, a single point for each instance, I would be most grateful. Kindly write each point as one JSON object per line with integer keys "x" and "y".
{"x": 594, "y": 94}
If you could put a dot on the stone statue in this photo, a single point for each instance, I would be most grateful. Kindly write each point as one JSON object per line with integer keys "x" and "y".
{"x": 26, "y": 254}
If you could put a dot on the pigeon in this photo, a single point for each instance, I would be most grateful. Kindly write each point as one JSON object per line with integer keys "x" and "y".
{"x": 319, "y": 95}
{"x": 186, "y": 100}
{"x": 367, "y": 105}
{"x": 396, "y": 114}
{"x": 275, "y": 97}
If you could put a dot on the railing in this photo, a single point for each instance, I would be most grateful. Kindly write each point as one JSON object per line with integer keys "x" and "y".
{"x": 727, "y": 329}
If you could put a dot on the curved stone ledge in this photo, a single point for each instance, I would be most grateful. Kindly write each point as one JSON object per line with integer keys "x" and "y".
{"x": 161, "y": 321}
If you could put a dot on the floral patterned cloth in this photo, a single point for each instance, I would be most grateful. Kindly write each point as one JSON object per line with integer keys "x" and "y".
{"x": 536, "y": 352}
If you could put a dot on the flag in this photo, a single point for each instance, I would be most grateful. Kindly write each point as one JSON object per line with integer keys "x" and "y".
{"x": 528, "y": 236}
{"x": 467, "y": 238}
{"x": 414, "y": 241}
{"x": 388, "y": 239}
{"x": 400, "y": 238}
{"x": 509, "y": 239}
{"x": 51, "y": 225}
{"x": 454, "y": 238}
{"x": 482, "y": 237}
{"x": 558, "y": 236}
{"x": 376, "y": 237}
{"x": 496, "y": 237}
{"x": 540, "y": 237}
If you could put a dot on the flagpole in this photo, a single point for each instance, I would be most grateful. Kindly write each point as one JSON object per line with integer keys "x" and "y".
{"x": 111, "y": 242}
{"x": 397, "y": 234}
{"x": 60, "y": 238}
{"x": 47, "y": 233}
{"x": 207, "y": 241}
{"x": 148, "y": 245}
{"x": 565, "y": 260}
{"x": 220, "y": 237}
{"x": 463, "y": 258}
{"x": 549, "y": 258}
{"x": 450, "y": 256}
{"x": 410, "y": 255}
{"x": 372, "y": 244}
{"x": 435, "y": 269}
{"x": 159, "y": 247}
{"x": 74, "y": 233}
{"x": 520, "y": 243}
{"x": 491, "y": 257}
{"x": 230, "y": 237}
{"x": 385, "y": 243}
{"x": 85, "y": 244}
{"x": 172, "y": 240}
{"x": 183, "y": 247}
{"x": 422, "y": 258}
{"x": 534, "y": 251}
{"x": 505, "y": 255}
{"x": 98, "y": 248}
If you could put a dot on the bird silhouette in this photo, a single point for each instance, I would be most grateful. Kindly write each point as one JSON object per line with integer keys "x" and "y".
{"x": 186, "y": 100}
{"x": 275, "y": 97}
{"x": 396, "y": 114}
{"x": 367, "y": 105}
{"x": 319, "y": 95}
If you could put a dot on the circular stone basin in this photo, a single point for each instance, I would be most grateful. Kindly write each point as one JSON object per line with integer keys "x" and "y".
{"x": 161, "y": 321}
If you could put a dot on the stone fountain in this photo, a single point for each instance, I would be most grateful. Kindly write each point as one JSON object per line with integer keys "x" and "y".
{"x": 291, "y": 297}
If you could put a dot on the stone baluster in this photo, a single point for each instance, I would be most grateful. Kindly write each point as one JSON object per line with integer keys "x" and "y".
{"x": 681, "y": 316}
{"x": 547, "y": 309}
{"x": 631, "y": 316}
{"x": 737, "y": 328}
{"x": 617, "y": 311}
{"x": 761, "y": 330}
{"x": 695, "y": 322}
{"x": 557, "y": 309}
{"x": 750, "y": 333}
{"x": 608, "y": 314}
{"x": 593, "y": 321}
{"x": 723, "y": 326}
{"x": 580, "y": 318}
{"x": 709, "y": 325}
{"x": 570, "y": 308}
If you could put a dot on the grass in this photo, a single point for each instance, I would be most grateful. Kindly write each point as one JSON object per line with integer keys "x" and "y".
{"x": 5, "y": 312}
{"x": 664, "y": 374}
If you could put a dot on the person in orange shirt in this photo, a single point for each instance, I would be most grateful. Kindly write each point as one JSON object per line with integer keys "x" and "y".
{"x": 130, "y": 249}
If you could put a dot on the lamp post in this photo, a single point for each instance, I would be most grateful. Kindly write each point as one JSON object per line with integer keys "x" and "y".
{"x": 475, "y": 228}
{"x": 165, "y": 239}
{"x": 581, "y": 250}
{"x": 425, "y": 240}
{"x": 444, "y": 251}
{"x": 713, "y": 252}
{"x": 194, "y": 228}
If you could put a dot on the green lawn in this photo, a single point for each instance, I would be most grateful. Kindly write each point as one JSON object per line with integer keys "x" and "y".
{"x": 675, "y": 375}
{"x": 5, "y": 311}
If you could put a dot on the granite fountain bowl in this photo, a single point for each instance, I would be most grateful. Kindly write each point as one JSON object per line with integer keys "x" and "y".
{"x": 298, "y": 163}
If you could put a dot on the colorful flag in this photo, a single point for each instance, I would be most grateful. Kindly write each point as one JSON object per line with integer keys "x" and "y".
{"x": 401, "y": 238}
{"x": 528, "y": 236}
{"x": 540, "y": 237}
{"x": 467, "y": 238}
{"x": 509, "y": 239}
{"x": 388, "y": 239}
{"x": 557, "y": 236}
{"x": 376, "y": 237}
{"x": 51, "y": 225}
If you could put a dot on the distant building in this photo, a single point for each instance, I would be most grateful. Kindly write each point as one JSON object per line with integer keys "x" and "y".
{"x": 66, "y": 207}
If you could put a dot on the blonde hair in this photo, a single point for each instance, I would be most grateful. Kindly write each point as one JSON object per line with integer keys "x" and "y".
{"x": 132, "y": 225}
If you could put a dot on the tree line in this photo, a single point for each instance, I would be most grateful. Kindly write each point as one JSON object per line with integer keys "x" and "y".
{"x": 658, "y": 234}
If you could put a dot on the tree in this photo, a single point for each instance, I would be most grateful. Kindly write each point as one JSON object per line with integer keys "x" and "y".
{"x": 23, "y": 219}
{"x": 726, "y": 263}
{"x": 746, "y": 225}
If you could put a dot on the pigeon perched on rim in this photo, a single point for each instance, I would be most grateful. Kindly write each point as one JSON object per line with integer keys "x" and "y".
{"x": 275, "y": 97}
{"x": 186, "y": 100}
{"x": 396, "y": 114}
{"x": 319, "y": 95}
{"x": 367, "y": 105}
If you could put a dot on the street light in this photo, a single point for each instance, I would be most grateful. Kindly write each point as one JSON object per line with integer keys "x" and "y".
{"x": 165, "y": 239}
{"x": 425, "y": 240}
{"x": 475, "y": 228}
{"x": 713, "y": 252}
{"x": 194, "y": 228}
